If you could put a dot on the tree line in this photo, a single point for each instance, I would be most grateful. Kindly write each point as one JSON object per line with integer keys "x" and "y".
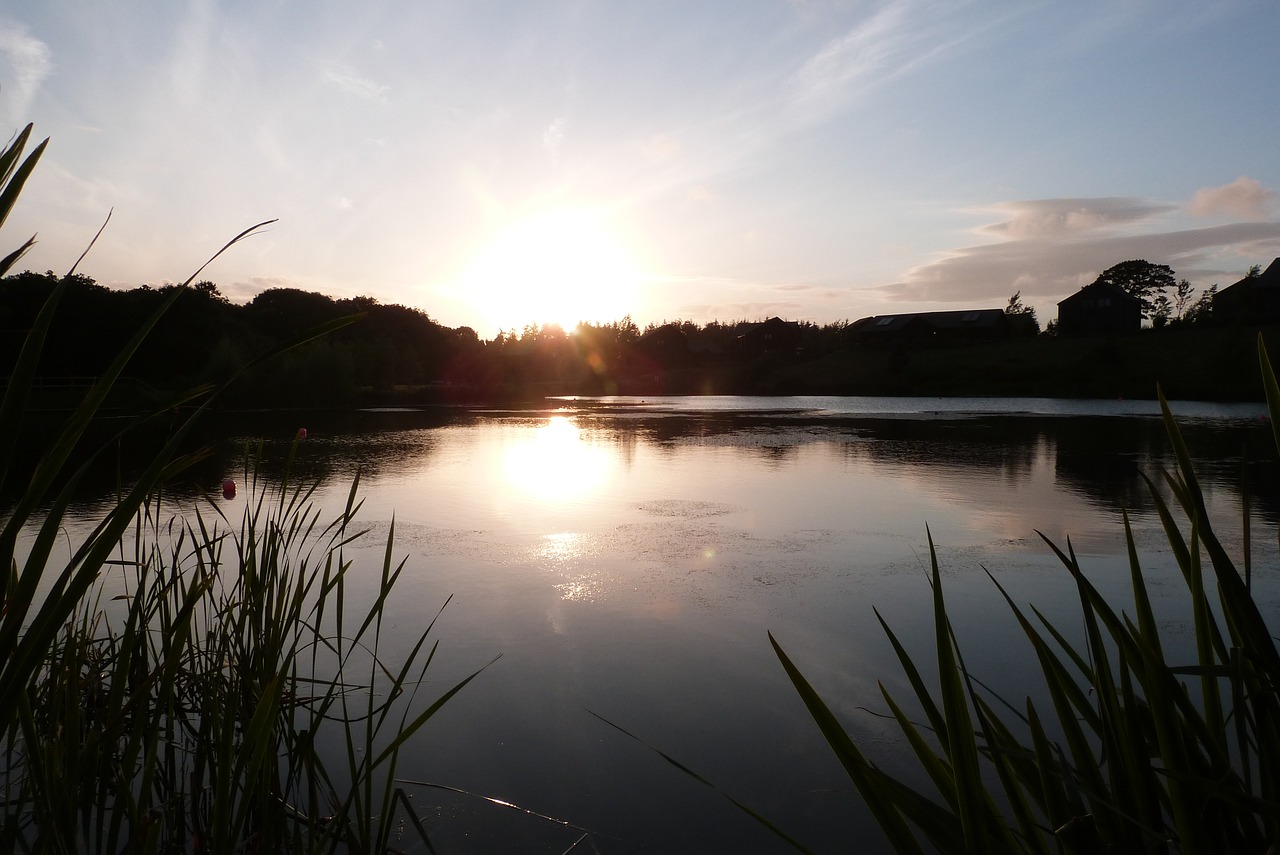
{"x": 387, "y": 352}
{"x": 394, "y": 353}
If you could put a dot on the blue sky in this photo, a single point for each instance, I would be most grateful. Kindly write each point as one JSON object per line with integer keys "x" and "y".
{"x": 501, "y": 163}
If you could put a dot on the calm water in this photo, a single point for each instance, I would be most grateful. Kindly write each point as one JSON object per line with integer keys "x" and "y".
{"x": 626, "y": 558}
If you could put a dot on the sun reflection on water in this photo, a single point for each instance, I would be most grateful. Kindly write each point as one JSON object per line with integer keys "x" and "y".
{"x": 557, "y": 464}
{"x": 563, "y": 552}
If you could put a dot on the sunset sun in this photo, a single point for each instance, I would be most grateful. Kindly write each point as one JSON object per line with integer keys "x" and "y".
{"x": 559, "y": 267}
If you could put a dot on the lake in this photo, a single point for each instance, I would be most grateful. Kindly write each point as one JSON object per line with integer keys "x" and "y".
{"x": 626, "y": 558}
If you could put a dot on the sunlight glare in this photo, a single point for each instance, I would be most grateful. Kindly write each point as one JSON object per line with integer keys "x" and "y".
{"x": 560, "y": 267}
{"x": 557, "y": 464}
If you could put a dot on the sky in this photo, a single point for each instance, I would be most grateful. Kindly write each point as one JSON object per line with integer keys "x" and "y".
{"x": 497, "y": 164}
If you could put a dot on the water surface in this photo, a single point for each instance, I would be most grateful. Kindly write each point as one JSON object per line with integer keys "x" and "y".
{"x": 626, "y": 558}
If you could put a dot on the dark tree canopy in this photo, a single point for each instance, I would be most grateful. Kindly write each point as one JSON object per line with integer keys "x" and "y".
{"x": 1142, "y": 279}
{"x": 1024, "y": 313}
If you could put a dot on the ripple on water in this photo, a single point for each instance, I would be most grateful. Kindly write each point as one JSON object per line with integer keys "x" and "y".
{"x": 684, "y": 509}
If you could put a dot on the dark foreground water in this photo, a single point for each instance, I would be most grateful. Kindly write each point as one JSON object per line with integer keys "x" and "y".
{"x": 626, "y": 558}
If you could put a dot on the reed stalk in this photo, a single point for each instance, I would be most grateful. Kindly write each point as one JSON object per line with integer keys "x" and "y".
{"x": 1134, "y": 752}
{"x": 172, "y": 684}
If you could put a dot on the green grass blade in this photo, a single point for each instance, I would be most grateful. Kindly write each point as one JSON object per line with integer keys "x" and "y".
{"x": 961, "y": 747}
{"x": 758, "y": 817}
{"x": 868, "y": 779}
{"x": 18, "y": 178}
{"x": 1271, "y": 389}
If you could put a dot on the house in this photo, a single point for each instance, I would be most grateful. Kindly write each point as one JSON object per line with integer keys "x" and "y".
{"x": 1254, "y": 299}
{"x": 966, "y": 325}
{"x": 1099, "y": 309}
{"x": 775, "y": 334}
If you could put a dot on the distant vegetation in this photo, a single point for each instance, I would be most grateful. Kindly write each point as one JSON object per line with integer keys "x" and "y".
{"x": 398, "y": 355}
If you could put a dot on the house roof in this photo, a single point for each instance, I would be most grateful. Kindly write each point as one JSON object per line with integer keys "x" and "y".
{"x": 957, "y": 320}
{"x": 1094, "y": 290}
{"x": 1268, "y": 279}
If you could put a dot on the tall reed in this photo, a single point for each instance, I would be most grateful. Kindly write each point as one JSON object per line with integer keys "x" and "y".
{"x": 1135, "y": 752}
{"x": 229, "y": 698}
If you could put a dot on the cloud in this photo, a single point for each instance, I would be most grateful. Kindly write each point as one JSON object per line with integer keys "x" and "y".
{"x": 699, "y": 195}
{"x": 660, "y": 148}
{"x": 1244, "y": 198}
{"x": 1053, "y": 247}
{"x": 28, "y": 64}
{"x": 553, "y": 137}
{"x": 1050, "y": 218}
{"x": 851, "y": 62}
{"x": 244, "y": 290}
{"x": 743, "y": 310}
{"x": 348, "y": 81}
{"x": 901, "y": 38}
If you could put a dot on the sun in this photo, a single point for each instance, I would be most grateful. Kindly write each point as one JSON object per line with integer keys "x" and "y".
{"x": 559, "y": 267}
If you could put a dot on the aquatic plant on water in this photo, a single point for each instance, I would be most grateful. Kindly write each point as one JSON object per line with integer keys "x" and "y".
{"x": 230, "y": 697}
{"x": 1136, "y": 750}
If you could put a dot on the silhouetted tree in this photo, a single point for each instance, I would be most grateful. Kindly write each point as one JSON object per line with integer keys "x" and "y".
{"x": 1182, "y": 293}
{"x": 1017, "y": 307}
{"x": 210, "y": 290}
{"x": 1202, "y": 309}
{"x": 1161, "y": 308}
{"x": 1142, "y": 279}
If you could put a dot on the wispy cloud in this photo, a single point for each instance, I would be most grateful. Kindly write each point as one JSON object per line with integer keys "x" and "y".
{"x": 901, "y": 37}
{"x": 553, "y": 138}
{"x": 849, "y": 64}
{"x": 852, "y": 57}
{"x": 661, "y": 148}
{"x": 1052, "y": 247}
{"x": 1051, "y": 218}
{"x": 242, "y": 291}
{"x": 699, "y": 195}
{"x": 28, "y": 62}
{"x": 1244, "y": 198}
{"x": 348, "y": 81}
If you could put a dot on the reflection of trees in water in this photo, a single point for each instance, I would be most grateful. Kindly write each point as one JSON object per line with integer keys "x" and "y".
{"x": 1104, "y": 459}
{"x": 623, "y": 441}
{"x": 1005, "y": 451}
{"x": 1101, "y": 459}
{"x": 342, "y": 443}
{"x": 338, "y": 444}
{"x": 774, "y": 441}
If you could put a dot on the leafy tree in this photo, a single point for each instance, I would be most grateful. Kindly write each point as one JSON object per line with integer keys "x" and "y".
{"x": 1161, "y": 308}
{"x": 1141, "y": 279}
{"x": 210, "y": 290}
{"x": 1202, "y": 309}
{"x": 1020, "y": 309}
{"x": 1182, "y": 298}
{"x": 1254, "y": 272}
